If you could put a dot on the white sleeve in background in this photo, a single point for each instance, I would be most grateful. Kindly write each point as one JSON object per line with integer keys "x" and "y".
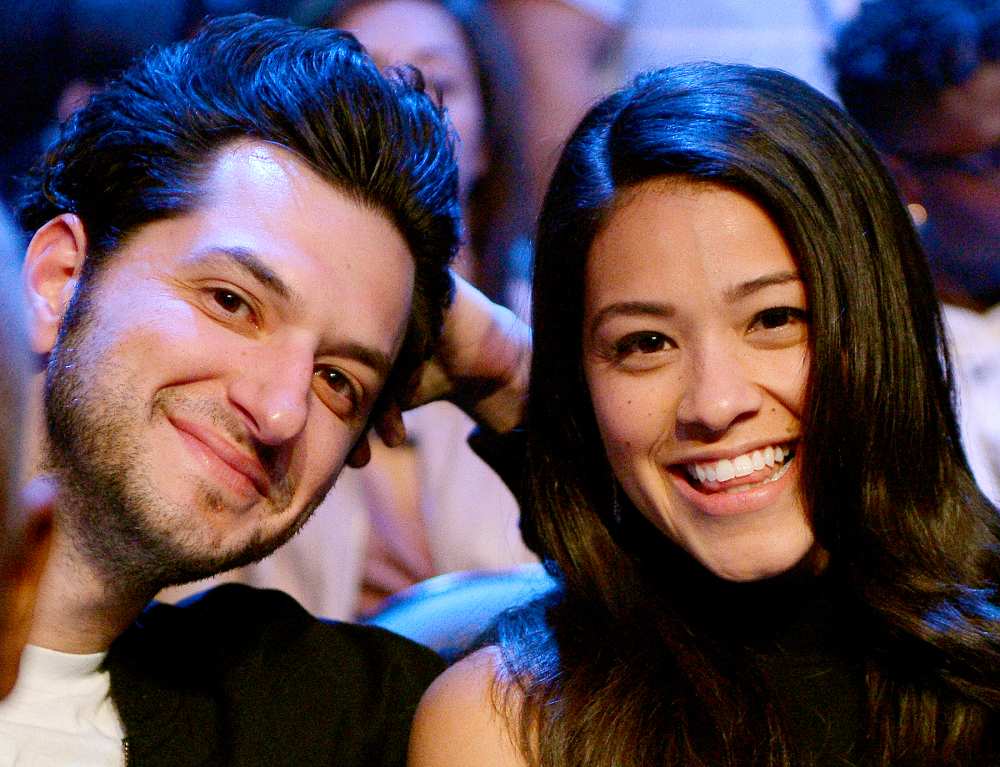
{"x": 471, "y": 518}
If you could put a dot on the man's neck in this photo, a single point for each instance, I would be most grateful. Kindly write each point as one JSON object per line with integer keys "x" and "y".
{"x": 77, "y": 610}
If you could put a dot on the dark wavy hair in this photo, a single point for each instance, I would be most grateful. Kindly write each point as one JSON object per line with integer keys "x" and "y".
{"x": 896, "y": 56}
{"x": 610, "y": 670}
{"x": 140, "y": 150}
{"x": 498, "y": 217}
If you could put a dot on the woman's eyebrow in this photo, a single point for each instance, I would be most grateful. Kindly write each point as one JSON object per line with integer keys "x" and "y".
{"x": 745, "y": 289}
{"x": 632, "y": 309}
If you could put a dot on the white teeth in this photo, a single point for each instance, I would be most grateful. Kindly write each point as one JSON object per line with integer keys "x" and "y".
{"x": 726, "y": 469}
{"x": 743, "y": 464}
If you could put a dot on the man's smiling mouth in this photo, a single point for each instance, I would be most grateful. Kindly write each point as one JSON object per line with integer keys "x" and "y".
{"x": 225, "y": 456}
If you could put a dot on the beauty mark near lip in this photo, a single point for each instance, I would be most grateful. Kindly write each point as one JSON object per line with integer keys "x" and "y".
{"x": 219, "y": 447}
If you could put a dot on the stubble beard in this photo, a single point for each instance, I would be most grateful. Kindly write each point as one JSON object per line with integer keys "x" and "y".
{"x": 108, "y": 506}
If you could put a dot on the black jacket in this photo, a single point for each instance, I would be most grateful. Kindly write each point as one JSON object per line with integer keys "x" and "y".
{"x": 247, "y": 677}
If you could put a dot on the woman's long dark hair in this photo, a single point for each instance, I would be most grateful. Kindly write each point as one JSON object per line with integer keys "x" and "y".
{"x": 608, "y": 671}
{"x": 499, "y": 217}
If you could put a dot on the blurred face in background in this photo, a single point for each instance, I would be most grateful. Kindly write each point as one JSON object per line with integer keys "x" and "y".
{"x": 25, "y": 516}
{"x": 950, "y": 164}
{"x": 426, "y": 36}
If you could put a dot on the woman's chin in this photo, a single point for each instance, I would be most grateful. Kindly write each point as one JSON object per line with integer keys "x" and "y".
{"x": 760, "y": 562}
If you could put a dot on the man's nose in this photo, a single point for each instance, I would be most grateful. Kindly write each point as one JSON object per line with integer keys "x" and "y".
{"x": 719, "y": 391}
{"x": 272, "y": 389}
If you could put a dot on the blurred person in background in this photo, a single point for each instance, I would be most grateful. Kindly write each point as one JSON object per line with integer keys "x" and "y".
{"x": 438, "y": 507}
{"x": 569, "y": 52}
{"x": 573, "y": 52}
{"x": 923, "y": 78}
{"x": 467, "y": 62}
{"x": 25, "y": 515}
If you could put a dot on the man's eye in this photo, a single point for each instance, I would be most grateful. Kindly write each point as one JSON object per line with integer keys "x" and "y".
{"x": 645, "y": 342}
{"x": 229, "y": 300}
{"x": 341, "y": 393}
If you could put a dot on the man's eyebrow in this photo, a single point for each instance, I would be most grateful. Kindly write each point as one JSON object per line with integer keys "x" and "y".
{"x": 745, "y": 289}
{"x": 376, "y": 359}
{"x": 253, "y": 265}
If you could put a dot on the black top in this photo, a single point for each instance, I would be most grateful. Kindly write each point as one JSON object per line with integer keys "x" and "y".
{"x": 803, "y": 635}
{"x": 247, "y": 677}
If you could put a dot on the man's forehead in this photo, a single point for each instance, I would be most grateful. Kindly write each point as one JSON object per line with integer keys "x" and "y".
{"x": 263, "y": 163}
{"x": 313, "y": 247}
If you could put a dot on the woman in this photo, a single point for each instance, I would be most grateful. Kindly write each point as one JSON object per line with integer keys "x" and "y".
{"x": 745, "y": 470}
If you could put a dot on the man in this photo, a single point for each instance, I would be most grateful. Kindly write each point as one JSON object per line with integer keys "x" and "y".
{"x": 25, "y": 519}
{"x": 923, "y": 77}
{"x": 239, "y": 260}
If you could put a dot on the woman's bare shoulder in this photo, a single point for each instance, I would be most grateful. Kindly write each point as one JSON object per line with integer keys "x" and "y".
{"x": 458, "y": 722}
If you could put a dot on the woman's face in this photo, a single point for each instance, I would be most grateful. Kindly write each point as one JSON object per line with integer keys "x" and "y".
{"x": 695, "y": 349}
{"x": 426, "y": 36}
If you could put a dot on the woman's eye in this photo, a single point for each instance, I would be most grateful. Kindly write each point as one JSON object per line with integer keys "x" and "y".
{"x": 779, "y": 327}
{"x": 645, "y": 342}
{"x": 341, "y": 391}
{"x": 778, "y": 317}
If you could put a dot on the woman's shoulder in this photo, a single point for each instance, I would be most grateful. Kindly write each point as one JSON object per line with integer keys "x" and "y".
{"x": 466, "y": 717}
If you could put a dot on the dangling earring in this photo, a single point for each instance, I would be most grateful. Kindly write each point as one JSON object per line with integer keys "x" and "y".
{"x": 918, "y": 213}
{"x": 616, "y": 509}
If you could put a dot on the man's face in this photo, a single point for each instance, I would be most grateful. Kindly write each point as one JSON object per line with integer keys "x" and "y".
{"x": 220, "y": 368}
{"x": 952, "y": 154}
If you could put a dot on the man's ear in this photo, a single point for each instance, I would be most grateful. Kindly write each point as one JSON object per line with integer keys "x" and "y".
{"x": 20, "y": 575}
{"x": 52, "y": 266}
